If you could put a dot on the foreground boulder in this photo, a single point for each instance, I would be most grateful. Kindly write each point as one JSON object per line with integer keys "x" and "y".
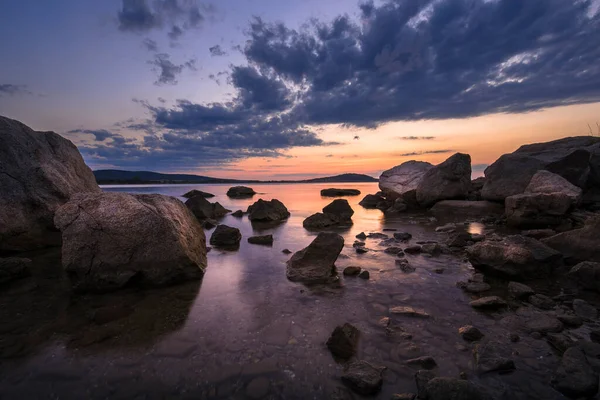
{"x": 240, "y": 192}
{"x": 267, "y": 211}
{"x": 333, "y": 192}
{"x": 575, "y": 378}
{"x": 404, "y": 178}
{"x": 578, "y": 244}
{"x": 13, "y": 268}
{"x": 547, "y": 182}
{"x": 226, "y": 237}
{"x": 447, "y": 181}
{"x": 516, "y": 257}
{"x": 315, "y": 263}
{"x": 39, "y": 172}
{"x": 372, "y": 201}
{"x": 204, "y": 209}
{"x": 537, "y": 210}
{"x": 587, "y": 274}
{"x": 195, "y": 192}
{"x": 112, "y": 240}
{"x": 467, "y": 208}
{"x": 336, "y": 213}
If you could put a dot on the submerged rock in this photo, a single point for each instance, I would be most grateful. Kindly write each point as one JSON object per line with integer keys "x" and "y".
{"x": 585, "y": 310}
{"x": 268, "y": 211}
{"x": 422, "y": 378}
{"x": 363, "y": 377}
{"x": 575, "y": 377}
{"x": 111, "y": 240}
{"x": 364, "y": 274}
{"x": 240, "y": 192}
{"x": 447, "y": 181}
{"x": 226, "y": 237}
{"x": 320, "y": 221}
{"x": 333, "y": 192}
{"x": 13, "y": 268}
{"x": 194, "y": 193}
{"x": 351, "y": 271}
{"x": 315, "y": 263}
{"x": 470, "y": 333}
{"x": 403, "y": 178}
{"x": 39, "y": 172}
{"x": 266, "y": 240}
{"x": 343, "y": 341}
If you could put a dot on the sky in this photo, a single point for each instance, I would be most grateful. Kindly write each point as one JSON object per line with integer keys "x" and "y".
{"x": 296, "y": 89}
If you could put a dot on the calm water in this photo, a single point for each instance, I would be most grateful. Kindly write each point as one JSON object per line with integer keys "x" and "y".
{"x": 245, "y": 330}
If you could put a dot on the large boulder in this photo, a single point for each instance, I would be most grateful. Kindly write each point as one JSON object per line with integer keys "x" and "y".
{"x": 515, "y": 257}
{"x": 447, "y": 181}
{"x": 403, "y": 178}
{"x": 573, "y": 158}
{"x": 334, "y": 192}
{"x": 547, "y": 182}
{"x": 240, "y": 192}
{"x": 39, "y": 172}
{"x": 316, "y": 262}
{"x": 226, "y": 237}
{"x": 320, "y": 221}
{"x": 578, "y": 244}
{"x": 467, "y": 208}
{"x": 113, "y": 240}
{"x": 204, "y": 209}
{"x": 537, "y": 210}
{"x": 337, "y": 213}
{"x": 267, "y": 211}
{"x": 587, "y": 274}
{"x": 340, "y": 208}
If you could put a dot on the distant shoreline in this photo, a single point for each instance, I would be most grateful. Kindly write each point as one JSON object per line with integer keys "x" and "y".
{"x": 219, "y": 183}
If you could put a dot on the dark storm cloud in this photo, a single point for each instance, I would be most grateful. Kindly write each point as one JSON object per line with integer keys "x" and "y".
{"x": 11, "y": 90}
{"x": 217, "y": 51}
{"x": 100, "y": 135}
{"x": 420, "y": 153}
{"x": 416, "y": 137}
{"x": 167, "y": 70}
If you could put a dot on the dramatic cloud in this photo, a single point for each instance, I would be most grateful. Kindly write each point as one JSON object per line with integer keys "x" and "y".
{"x": 420, "y": 153}
{"x": 168, "y": 71}
{"x": 11, "y": 90}
{"x": 217, "y": 51}
{"x": 100, "y": 135}
{"x": 417, "y": 138}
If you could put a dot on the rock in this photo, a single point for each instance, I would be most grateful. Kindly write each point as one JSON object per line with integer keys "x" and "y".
{"x": 515, "y": 257}
{"x": 240, "y": 192}
{"x": 361, "y": 250}
{"x": 394, "y": 250}
{"x": 539, "y": 233}
{"x": 112, "y": 240}
{"x": 585, "y": 310}
{"x": 571, "y": 320}
{"x": 543, "y": 323}
{"x": 315, "y": 263}
{"x": 203, "y": 209}
{"x": 264, "y": 240}
{"x": 409, "y": 311}
{"x": 559, "y": 342}
{"x": 358, "y": 244}
{"x": 474, "y": 287}
{"x": 531, "y": 210}
{"x": 403, "y": 396}
{"x": 587, "y": 274}
{"x": 209, "y": 223}
{"x": 470, "y": 333}
{"x": 377, "y": 235}
{"x": 439, "y": 270}
{"x": 320, "y": 221}
{"x": 447, "y": 181}
{"x": 489, "y": 303}
{"x": 422, "y": 378}
{"x": 425, "y": 362}
{"x": 472, "y": 209}
{"x": 339, "y": 192}
{"x": 433, "y": 249}
{"x": 578, "y": 244}
{"x": 13, "y": 268}
{"x": 364, "y": 274}
{"x": 488, "y": 358}
{"x": 343, "y": 341}
{"x": 448, "y": 228}
{"x": 371, "y": 201}
{"x": 416, "y": 249}
{"x": 39, "y": 172}
{"x": 238, "y": 214}
{"x": 405, "y": 266}
{"x": 226, "y": 236}
{"x": 519, "y": 290}
{"x": 340, "y": 208}
{"x": 286, "y": 251}
{"x": 546, "y": 182}
{"x": 363, "y": 377}
{"x": 403, "y": 178}
{"x": 513, "y": 337}
{"x": 361, "y": 236}
{"x": 512, "y": 173}
{"x": 351, "y": 271}
{"x": 453, "y": 389}
{"x": 402, "y": 236}
{"x": 398, "y": 206}
{"x": 267, "y": 211}
{"x": 575, "y": 377}
{"x": 258, "y": 388}
{"x": 542, "y": 302}
{"x": 595, "y": 335}
{"x": 194, "y": 193}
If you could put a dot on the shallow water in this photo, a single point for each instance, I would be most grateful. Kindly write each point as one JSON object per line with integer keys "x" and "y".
{"x": 245, "y": 330}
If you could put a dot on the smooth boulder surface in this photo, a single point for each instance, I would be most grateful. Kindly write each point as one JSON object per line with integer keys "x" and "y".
{"x": 587, "y": 275}
{"x": 39, "y": 172}
{"x": 547, "y": 182}
{"x": 13, "y": 268}
{"x": 333, "y": 192}
{"x": 316, "y": 262}
{"x": 267, "y": 211}
{"x": 467, "y": 208}
{"x": 112, "y": 240}
{"x": 240, "y": 192}
{"x": 579, "y": 244}
{"x": 204, "y": 209}
{"x": 403, "y": 178}
{"x": 537, "y": 210}
{"x": 226, "y": 237}
{"x": 449, "y": 180}
{"x": 517, "y": 257}
{"x": 195, "y": 192}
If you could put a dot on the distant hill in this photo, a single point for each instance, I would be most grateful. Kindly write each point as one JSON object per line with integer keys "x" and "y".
{"x": 114, "y": 176}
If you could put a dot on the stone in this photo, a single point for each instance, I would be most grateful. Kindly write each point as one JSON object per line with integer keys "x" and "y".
{"x": 585, "y": 310}
{"x": 575, "y": 377}
{"x": 343, "y": 341}
{"x": 578, "y": 244}
{"x": 363, "y": 377}
{"x": 453, "y": 389}
{"x": 425, "y": 362}
{"x": 542, "y": 302}
{"x": 433, "y": 249}
{"x": 364, "y": 274}
{"x": 467, "y": 209}
{"x": 403, "y": 396}
{"x": 559, "y": 342}
{"x": 515, "y": 257}
{"x": 461, "y": 239}
{"x": 13, "y": 268}
{"x": 315, "y": 263}
{"x": 266, "y": 240}
{"x": 397, "y": 181}
{"x": 489, "y": 358}
{"x": 474, "y": 287}
{"x": 240, "y": 192}
{"x": 195, "y": 192}
{"x": 422, "y": 378}
{"x": 398, "y": 206}
{"x": 209, "y": 223}
{"x": 332, "y": 192}
{"x": 204, "y": 209}
{"x": 361, "y": 236}
{"x": 238, "y": 213}
{"x": 537, "y": 210}
{"x": 226, "y": 237}
{"x": 449, "y": 180}
{"x": 546, "y": 182}
{"x": 402, "y": 236}
{"x": 39, "y": 172}
{"x": 409, "y": 311}
{"x": 351, "y": 271}
{"x": 470, "y": 333}
{"x": 112, "y": 240}
{"x": 320, "y": 221}
{"x": 519, "y": 291}
{"x": 448, "y": 228}
{"x": 340, "y": 208}
{"x": 377, "y": 235}
{"x": 539, "y": 233}
{"x": 416, "y": 249}
{"x": 371, "y": 201}
{"x": 543, "y": 323}
{"x": 587, "y": 275}
{"x": 268, "y": 211}
{"x": 394, "y": 250}
{"x": 405, "y": 266}
{"x": 570, "y": 320}
{"x": 595, "y": 335}
{"x": 361, "y": 250}
{"x": 258, "y": 387}
{"x": 286, "y": 251}
{"x": 488, "y": 303}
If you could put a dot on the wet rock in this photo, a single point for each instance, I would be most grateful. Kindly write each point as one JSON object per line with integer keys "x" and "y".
{"x": 425, "y": 362}
{"x": 403, "y": 178}
{"x": 433, "y": 249}
{"x": 286, "y": 251}
{"x": 340, "y": 208}
{"x": 587, "y": 275}
{"x": 519, "y": 290}
{"x": 405, "y": 266}
{"x": 358, "y": 244}
{"x": 416, "y": 249}
{"x": 546, "y": 182}
{"x": 530, "y": 210}
{"x": 258, "y": 388}
{"x": 585, "y": 310}
{"x": 204, "y": 209}
{"x": 468, "y": 209}
{"x": 39, "y": 172}
{"x": 474, "y": 287}
{"x": 439, "y": 270}
{"x": 570, "y": 320}
{"x": 398, "y": 206}
{"x": 266, "y": 240}
{"x": 361, "y": 236}
{"x": 315, "y": 263}
{"x": 13, "y": 268}
{"x": 240, "y": 192}
{"x": 448, "y": 228}
{"x": 195, "y": 192}
{"x": 361, "y": 250}
{"x": 409, "y": 311}
{"x": 539, "y": 233}
{"x": 238, "y": 214}
{"x": 371, "y": 201}
{"x": 447, "y": 181}
{"x": 111, "y": 240}
{"x": 470, "y": 333}
{"x": 559, "y": 342}
{"x": 578, "y": 244}
{"x": 363, "y": 377}
{"x": 488, "y": 358}
{"x": 461, "y": 239}
{"x": 402, "y": 236}
{"x": 489, "y": 303}
{"x": 422, "y": 378}
{"x": 343, "y": 341}
{"x": 394, "y": 250}
{"x": 268, "y": 211}
{"x": 352, "y": 271}
{"x": 377, "y": 235}
{"x": 536, "y": 335}
{"x": 209, "y": 223}
{"x": 320, "y": 221}
{"x": 453, "y": 389}
{"x": 574, "y": 377}
{"x": 542, "y": 302}
{"x": 515, "y": 257}
{"x": 543, "y": 323}
{"x": 364, "y": 274}
{"x": 332, "y": 192}
{"x": 225, "y": 236}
